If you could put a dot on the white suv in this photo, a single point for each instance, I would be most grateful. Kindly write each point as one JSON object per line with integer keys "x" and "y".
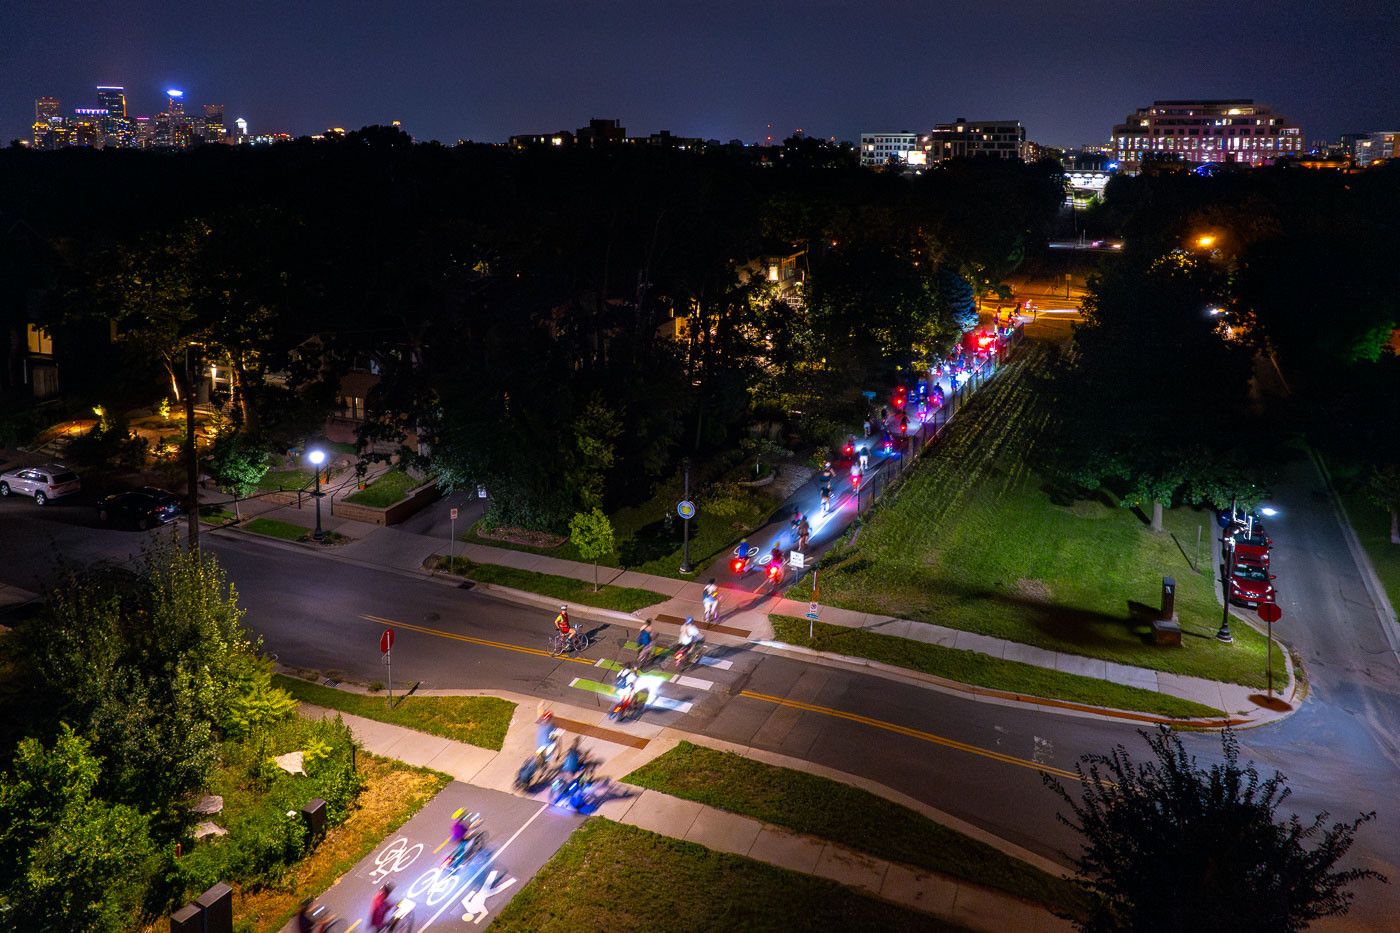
{"x": 45, "y": 483}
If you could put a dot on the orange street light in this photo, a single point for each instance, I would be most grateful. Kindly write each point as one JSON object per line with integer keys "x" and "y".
{"x": 1204, "y": 241}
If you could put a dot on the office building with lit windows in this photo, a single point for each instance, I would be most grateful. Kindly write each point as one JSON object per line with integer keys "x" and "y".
{"x": 877, "y": 149}
{"x": 1002, "y": 139}
{"x": 1199, "y": 132}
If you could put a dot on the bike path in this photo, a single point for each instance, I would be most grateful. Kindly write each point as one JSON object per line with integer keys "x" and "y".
{"x": 524, "y": 833}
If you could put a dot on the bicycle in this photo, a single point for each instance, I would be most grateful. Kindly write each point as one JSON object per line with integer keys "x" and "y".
{"x": 402, "y": 919}
{"x": 559, "y": 644}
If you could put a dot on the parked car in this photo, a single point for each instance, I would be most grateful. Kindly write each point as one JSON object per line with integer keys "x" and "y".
{"x": 1251, "y": 584}
{"x": 1251, "y": 545}
{"x": 145, "y": 508}
{"x": 45, "y": 483}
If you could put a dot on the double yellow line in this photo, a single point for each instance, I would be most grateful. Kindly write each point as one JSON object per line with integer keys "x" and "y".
{"x": 780, "y": 701}
{"x": 537, "y": 652}
{"x": 912, "y": 733}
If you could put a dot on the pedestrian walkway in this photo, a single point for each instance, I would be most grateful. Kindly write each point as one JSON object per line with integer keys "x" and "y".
{"x": 621, "y": 750}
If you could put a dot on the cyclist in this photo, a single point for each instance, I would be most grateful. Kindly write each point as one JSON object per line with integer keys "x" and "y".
{"x": 711, "y": 598}
{"x": 566, "y": 631}
{"x": 796, "y": 518}
{"x": 626, "y": 685}
{"x": 827, "y": 474}
{"x": 381, "y": 909}
{"x": 743, "y": 551}
{"x": 867, "y": 427}
{"x": 463, "y": 824}
{"x": 544, "y": 731}
{"x": 864, "y": 458}
{"x": 306, "y": 918}
{"x": 573, "y": 760}
{"x": 644, "y": 644}
{"x": 803, "y": 533}
{"x": 690, "y": 634}
{"x": 826, "y": 499}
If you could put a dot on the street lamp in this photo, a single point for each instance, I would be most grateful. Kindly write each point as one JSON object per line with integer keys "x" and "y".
{"x": 317, "y": 457}
{"x": 1228, "y": 541}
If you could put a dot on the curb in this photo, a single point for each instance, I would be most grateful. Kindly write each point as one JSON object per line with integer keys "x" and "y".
{"x": 1047, "y": 704}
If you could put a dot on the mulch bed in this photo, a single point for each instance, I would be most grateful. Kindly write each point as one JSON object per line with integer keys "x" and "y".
{"x": 542, "y": 539}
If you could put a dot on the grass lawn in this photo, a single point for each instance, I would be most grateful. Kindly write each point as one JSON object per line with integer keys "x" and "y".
{"x": 481, "y": 721}
{"x": 622, "y": 879}
{"x": 275, "y": 529}
{"x": 277, "y": 480}
{"x": 1372, "y": 527}
{"x": 216, "y": 516}
{"x": 645, "y": 543}
{"x": 969, "y": 667}
{"x": 393, "y": 792}
{"x": 565, "y": 589}
{"x": 386, "y": 490}
{"x": 827, "y": 809}
{"x": 975, "y": 540}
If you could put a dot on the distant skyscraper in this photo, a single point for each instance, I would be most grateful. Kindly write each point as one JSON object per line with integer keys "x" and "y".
{"x": 48, "y": 122}
{"x": 112, "y": 100}
{"x": 213, "y": 130}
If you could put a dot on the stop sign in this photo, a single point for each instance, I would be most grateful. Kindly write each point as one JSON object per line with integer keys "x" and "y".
{"x": 386, "y": 641}
{"x": 1269, "y": 612}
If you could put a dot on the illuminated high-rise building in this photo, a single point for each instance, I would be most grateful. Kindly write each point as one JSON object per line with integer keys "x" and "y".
{"x": 213, "y": 129}
{"x": 48, "y": 119}
{"x": 112, "y": 100}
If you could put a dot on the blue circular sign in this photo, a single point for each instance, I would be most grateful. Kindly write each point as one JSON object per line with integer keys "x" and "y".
{"x": 686, "y": 509}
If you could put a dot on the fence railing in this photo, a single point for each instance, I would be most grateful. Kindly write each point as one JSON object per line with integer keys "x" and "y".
{"x": 876, "y": 482}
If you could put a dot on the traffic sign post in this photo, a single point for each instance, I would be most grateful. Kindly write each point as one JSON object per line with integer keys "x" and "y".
{"x": 386, "y": 642}
{"x": 1270, "y": 613}
{"x": 812, "y": 610}
{"x": 452, "y": 542}
{"x": 686, "y": 509}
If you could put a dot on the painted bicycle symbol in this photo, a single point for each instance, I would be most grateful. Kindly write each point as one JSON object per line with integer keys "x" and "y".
{"x": 396, "y": 856}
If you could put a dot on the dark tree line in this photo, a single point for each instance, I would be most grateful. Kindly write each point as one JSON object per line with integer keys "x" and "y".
{"x": 1247, "y": 307}
{"x": 518, "y": 305}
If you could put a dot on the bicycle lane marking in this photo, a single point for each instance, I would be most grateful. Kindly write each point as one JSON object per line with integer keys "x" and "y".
{"x": 474, "y": 900}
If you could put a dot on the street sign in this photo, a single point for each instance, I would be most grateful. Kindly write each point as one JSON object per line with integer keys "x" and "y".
{"x": 453, "y": 516}
{"x": 686, "y": 509}
{"x": 867, "y": 393}
{"x": 386, "y": 641}
{"x": 811, "y": 610}
{"x": 1269, "y": 612}
{"x": 797, "y": 560}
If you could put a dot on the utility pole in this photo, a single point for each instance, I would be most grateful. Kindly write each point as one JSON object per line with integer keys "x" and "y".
{"x": 191, "y": 451}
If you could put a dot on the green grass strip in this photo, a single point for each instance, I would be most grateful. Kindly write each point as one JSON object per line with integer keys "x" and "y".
{"x": 275, "y": 529}
{"x": 969, "y": 667}
{"x": 392, "y": 487}
{"x": 564, "y": 589}
{"x": 622, "y": 879}
{"x": 827, "y": 809}
{"x": 480, "y": 721}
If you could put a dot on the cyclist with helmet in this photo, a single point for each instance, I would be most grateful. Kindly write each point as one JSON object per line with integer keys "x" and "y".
{"x": 381, "y": 908}
{"x": 566, "y": 630}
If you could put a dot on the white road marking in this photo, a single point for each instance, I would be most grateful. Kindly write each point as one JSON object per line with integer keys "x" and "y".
{"x": 486, "y": 864}
{"x": 722, "y": 663}
{"x": 694, "y": 682}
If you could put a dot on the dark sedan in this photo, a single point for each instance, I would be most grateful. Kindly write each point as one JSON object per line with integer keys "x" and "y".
{"x": 144, "y": 508}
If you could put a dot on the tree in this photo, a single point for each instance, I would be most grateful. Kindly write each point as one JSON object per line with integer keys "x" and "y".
{"x": 146, "y": 663}
{"x": 1383, "y": 486}
{"x": 68, "y": 861}
{"x": 236, "y": 466}
{"x": 1170, "y": 846}
{"x": 592, "y": 534}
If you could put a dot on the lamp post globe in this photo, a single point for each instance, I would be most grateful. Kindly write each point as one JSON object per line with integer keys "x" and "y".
{"x": 317, "y": 457}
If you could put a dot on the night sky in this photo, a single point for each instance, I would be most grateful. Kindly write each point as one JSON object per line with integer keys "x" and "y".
{"x": 721, "y": 70}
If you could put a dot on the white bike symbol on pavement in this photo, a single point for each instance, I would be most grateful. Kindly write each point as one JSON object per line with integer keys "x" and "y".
{"x": 396, "y": 856}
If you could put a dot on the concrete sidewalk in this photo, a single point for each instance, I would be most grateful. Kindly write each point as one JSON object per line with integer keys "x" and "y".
{"x": 622, "y": 749}
{"x": 744, "y": 617}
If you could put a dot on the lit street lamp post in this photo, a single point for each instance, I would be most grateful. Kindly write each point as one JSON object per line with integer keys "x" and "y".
{"x": 1229, "y": 542}
{"x": 317, "y": 457}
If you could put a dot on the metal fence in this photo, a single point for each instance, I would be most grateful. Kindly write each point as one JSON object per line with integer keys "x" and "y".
{"x": 876, "y": 482}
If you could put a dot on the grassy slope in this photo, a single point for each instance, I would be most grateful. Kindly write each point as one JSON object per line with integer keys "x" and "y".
{"x": 969, "y": 667}
{"x": 479, "y": 721}
{"x": 851, "y": 816}
{"x": 565, "y": 589}
{"x": 386, "y": 490}
{"x": 621, "y": 879}
{"x": 973, "y": 540}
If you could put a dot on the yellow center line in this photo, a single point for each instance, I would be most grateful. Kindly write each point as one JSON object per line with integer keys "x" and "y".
{"x": 913, "y": 733}
{"x": 475, "y": 641}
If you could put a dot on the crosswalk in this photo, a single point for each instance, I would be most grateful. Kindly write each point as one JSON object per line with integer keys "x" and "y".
{"x": 656, "y": 681}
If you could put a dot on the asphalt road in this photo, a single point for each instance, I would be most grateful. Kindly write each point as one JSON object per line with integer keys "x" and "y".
{"x": 978, "y": 761}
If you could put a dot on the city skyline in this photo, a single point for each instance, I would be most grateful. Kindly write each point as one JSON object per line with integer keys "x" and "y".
{"x": 485, "y": 73}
